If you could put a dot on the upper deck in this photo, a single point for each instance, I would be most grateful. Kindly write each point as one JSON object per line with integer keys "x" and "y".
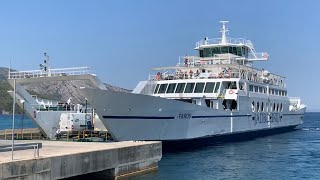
{"x": 221, "y": 58}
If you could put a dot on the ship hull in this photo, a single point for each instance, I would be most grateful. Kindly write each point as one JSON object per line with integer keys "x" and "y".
{"x": 189, "y": 144}
{"x": 130, "y": 116}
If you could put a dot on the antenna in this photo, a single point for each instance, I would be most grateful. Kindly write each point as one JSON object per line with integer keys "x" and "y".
{"x": 224, "y": 31}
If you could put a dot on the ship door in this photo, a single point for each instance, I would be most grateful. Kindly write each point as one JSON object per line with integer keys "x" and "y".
{"x": 230, "y": 101}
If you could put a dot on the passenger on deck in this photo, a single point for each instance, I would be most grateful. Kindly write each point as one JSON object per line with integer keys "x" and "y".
{"x": 197, "y": 73}
{"x": 190, "y": 74}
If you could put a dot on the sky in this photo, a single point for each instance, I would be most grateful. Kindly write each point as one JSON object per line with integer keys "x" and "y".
{"x": 122, "y": 39}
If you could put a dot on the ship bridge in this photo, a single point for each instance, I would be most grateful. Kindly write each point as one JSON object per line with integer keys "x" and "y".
{"x": 239, "y": 49}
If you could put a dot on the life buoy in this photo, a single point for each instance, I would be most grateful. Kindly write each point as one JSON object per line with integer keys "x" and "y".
{"x": 88, "y": 117}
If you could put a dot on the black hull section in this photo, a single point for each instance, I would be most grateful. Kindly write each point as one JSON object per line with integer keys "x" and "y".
{"x": 185, "y": 145}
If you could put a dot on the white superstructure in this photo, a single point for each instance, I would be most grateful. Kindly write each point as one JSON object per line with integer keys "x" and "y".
{"x": 218, "y": 92}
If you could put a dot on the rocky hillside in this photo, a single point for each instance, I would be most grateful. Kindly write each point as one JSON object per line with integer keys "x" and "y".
{"x": 59, "y": 90}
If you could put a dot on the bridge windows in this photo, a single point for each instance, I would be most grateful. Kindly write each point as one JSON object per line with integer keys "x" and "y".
{"x": 209, "y": 87}
{"x": 163, "y": 88}
{"x": 156, "y": 89}
{"x": 171, "y": 87}
{"x": 212, "y": 51}
{"x": 180, "y": 87}
{"x": 199, "y": 88}
{"x": 189, "y": 88}
{"x": 216, "y": 89}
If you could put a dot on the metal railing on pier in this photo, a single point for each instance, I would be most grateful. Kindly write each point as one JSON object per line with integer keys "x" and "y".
{"x": 49, "y": 73}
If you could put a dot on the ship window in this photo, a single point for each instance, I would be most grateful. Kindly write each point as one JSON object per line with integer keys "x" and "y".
{"x": 209, "y": 87}
{"x": 189, "y": 88}
{"x": 281, "y": 107}
{"x": 274, "y": 107}
{"x": 230, "y": 50}
{"x": 163, "y": 88}
{"x": 239, "y": 52}
{"x": 180, "y": 87}
{"x": 215, "y": 50}
{"x": 262, "y": 107}
{"x": 232, "y": 85}
{"x": 256, "y": 89}
{"x": 216, "y": 89}
{"x": 207, "y": 52}
{"x": 201, "y": 53}
{"x": 260, "y": 89}
{"x": 270, "y": 107}
{"x": 224, "y": 49}
{"x": 156, "y": 89}
{"x": 171, "y": 88}
{"x": 258, "y": 107}
{"x": 199, "y": 88}
{"x": 267, "y": 107}
{"x": 234, "y": 50}
{"x": 272, "y": 91}
{"x": 251, "y": 88}
{"x": 252, "y": 106}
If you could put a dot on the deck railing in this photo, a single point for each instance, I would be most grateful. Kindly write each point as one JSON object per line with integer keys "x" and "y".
{"x": 49, "y": 73}
{"x": 214, "y": 41}
{"x": 223, "y": 71}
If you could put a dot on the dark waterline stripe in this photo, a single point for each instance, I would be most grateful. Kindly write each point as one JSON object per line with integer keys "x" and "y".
{"x": 292, "y": 114}
{"x": 221, "y": 116}
{"x": 136, "y": 117}
{"x": 154, "y": 117}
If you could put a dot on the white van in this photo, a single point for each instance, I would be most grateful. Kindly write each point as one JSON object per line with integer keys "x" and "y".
{"x": 74, "y": 121}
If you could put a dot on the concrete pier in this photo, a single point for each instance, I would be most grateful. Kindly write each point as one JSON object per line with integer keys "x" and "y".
{"x": 60, "y": 160}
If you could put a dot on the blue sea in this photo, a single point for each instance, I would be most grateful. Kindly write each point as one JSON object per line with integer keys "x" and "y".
{"x": 20, "y": 121}
{"x": 293, "y": 155}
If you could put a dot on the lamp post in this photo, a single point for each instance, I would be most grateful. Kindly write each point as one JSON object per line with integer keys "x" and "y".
{"x": 13, "y": 116}
{"x": 22, "y": 102}
{"x": 86, "y": 105}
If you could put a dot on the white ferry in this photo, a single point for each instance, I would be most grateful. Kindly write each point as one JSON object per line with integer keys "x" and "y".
{"x": 215, "y": 94}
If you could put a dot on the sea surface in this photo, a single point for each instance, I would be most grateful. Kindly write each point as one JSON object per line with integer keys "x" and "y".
{"x": 19, "y": 121}
{"x": 293, "y": 155}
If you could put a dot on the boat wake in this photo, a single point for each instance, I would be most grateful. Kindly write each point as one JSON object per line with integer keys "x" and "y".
{"x": 311, "y": 129}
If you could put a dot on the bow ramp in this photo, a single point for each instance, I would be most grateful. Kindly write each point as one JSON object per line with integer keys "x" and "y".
{"x": 46, "y": 113}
